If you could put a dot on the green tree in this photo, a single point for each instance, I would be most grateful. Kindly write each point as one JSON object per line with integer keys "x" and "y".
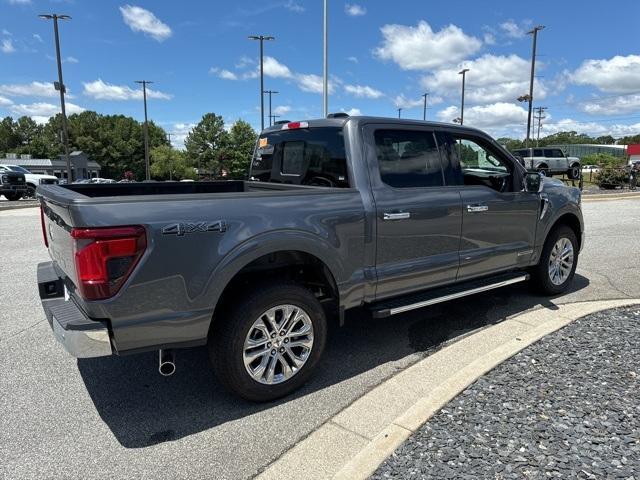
{"x": 206, "y": 141}
{"x": 563, "y": 138}
{"x": 9, "y": 139}
{"x": 604, "y": 160}
{"x": 629, "y": 140}
{"x": 169, "y": 163}
{"x": 240, "y": 146}
{"x": 605, "y": 140}
{"x": 510, "y": 143}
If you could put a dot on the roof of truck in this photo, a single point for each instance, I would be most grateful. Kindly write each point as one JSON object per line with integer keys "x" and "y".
{"x": 341, "y": 121}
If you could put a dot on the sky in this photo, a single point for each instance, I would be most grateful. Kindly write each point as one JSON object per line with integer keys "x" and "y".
{"x": 383, "y": 55}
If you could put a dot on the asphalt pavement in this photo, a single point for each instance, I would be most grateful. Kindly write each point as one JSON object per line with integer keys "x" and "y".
{"x": 117, "y": 417}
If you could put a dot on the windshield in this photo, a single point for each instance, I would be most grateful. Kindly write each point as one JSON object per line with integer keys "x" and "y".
{"x": 307, "y": 156}
{"x": 16, "y": 168}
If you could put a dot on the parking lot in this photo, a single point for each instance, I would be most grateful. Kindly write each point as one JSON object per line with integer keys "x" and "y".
{"x": 117, "y": 417}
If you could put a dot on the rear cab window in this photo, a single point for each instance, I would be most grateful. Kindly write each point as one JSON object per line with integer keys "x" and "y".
{"x": 304, "y": 156}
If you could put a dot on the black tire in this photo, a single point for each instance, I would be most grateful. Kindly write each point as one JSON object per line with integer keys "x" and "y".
{"x": 574, "y": 172}
{"x": 12, "y": 197}
{"x": 228, "y": 334}
{"x": 540, "y": 276}
{"x": 31, "y": 192}
{"x": 544, "y": 170}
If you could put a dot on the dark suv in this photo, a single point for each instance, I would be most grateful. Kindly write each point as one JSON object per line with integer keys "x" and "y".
{"x": 12, "y": 184}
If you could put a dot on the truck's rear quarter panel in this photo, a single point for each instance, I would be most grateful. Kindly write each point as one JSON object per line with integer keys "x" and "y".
{"x": 170, "y": 297}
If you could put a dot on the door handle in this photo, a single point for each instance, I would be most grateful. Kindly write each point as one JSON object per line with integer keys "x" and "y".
{"x": 477, "y": 208}
{"x": 396, "y": 215}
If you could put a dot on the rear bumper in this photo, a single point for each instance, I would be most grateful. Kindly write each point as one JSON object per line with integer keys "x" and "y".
{"x": 81, "y": 336}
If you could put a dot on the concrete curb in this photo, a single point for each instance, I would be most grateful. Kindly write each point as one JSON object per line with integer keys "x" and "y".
{"x": 598, "y": 197}
{"x": 353, "y": 443}
{"x": 18, "y": 206}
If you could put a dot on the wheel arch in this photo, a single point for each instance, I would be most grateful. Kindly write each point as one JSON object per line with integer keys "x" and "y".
{"x": 570, "y": 220}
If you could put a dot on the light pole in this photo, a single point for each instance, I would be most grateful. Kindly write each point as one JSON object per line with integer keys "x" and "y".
{"x": 399, "y": 110}
{"x": 261, "y": 38}
{"x": 270, "y": 92}
{"x": 325, "y": 60}
{"x": 273, "y": 117}
{"x": 59, "y": 85}
{"x": 462, "y": 72}
{"x": 533, "y": 32}
{"x": 424, "y": 110}
{"x": 144, "y": 84}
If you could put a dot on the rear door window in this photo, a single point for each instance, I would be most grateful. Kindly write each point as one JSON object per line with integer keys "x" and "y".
{"x": 408, "y": 158}
{"x": 308, "y": 156}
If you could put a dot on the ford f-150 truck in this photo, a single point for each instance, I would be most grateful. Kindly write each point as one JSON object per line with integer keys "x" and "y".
{"x": 384, "y": 214}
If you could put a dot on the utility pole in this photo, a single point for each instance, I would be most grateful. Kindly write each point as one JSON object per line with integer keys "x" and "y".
{"x": 424, "y": 110}
{"x": 539, "y": 117}
{"x": 325, "y": 61}
{"x": 144, "y": 84}
{"x": 462, "y": 72}
{"x": 261, "y": 38}
{"x": 59, "y": 85}
{"x": 273, "y": 117}
{"x": 270, "y": 92}
{"x": 533, "y": 32}
{"x": 399, "y": 110}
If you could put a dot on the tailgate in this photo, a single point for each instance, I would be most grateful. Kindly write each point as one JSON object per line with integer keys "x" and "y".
{"x": 56, "y": 228}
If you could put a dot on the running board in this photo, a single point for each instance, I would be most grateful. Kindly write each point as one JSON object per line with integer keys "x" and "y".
{"x": 439, "y": 295}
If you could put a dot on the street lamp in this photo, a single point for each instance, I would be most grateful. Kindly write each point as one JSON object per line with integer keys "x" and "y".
{"x": 533, "y": 32}
{"x": 462, "y": 72}
{"x": 325, "y": 59}
{"x": 261, "y": 38}
{"x": 59, "y": 85}
{"x": 424, "y": 110}
{"x": 270, "y": 92}
{"x": 144, "y": 84}
{"x": 399, "y": 110}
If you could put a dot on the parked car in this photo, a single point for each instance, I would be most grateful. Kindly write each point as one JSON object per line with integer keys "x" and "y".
{"x": 387, "y": 214}
{"x": 12, "y": 184}
{"x": 550, "y": 161}
{"x": 591, "y": 168}
{"x": 32, "y": 179}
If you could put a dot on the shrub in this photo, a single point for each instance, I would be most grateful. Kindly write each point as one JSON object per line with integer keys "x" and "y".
{"x": 611, "y": 177}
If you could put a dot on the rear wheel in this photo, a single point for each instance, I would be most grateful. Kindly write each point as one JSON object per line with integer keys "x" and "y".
{"x": 574, "y": 172}
{"x": 558, "y": 262}
{"x": 268, "y": 344}
{"x": 12, "y": 197}
{"x": 31, "y": 191}
{"x": 544, "y": 170}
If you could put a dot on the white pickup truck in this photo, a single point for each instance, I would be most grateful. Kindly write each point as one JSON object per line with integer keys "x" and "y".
{"x": 32, "y": 179}
{"x": 549, "y": 161}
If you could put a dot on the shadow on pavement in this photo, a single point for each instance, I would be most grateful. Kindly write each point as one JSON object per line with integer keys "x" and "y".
{"x": 143, "y": 408}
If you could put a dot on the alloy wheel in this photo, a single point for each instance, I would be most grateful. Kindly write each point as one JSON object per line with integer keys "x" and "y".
{"x": 561, "y": 261}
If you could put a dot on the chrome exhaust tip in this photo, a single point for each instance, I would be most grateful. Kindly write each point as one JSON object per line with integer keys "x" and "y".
{"x": 166, "y": 363}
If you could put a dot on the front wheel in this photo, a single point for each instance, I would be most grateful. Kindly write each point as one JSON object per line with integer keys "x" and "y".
{"x": 12, "y": 197}
{"x": 267, "y": 344}
{"x": 558, "y": 262}
{"x": 574, "y": 172}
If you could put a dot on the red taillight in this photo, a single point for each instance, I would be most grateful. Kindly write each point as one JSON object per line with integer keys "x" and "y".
{"x": 44, "y": 231}
{"x": 105, "y": 257}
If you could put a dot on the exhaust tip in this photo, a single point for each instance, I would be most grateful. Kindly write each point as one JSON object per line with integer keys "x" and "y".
{"x": 166, "y": 363}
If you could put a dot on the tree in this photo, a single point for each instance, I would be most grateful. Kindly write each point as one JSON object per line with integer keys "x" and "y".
{"x": 205, "y": 143}
{"x": 605, "y": 140}
{"x": 169, "y": 163}
{"x": 242, "y": 141}
{"x": 9, "y": 140}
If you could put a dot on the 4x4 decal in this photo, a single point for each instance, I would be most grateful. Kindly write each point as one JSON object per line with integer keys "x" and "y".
{"x": 181, "y": 229}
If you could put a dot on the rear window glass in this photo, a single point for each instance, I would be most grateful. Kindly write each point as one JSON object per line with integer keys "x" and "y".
{"x": 309, "y": 156}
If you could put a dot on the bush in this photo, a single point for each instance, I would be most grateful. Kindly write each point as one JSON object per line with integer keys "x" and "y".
{"x": 604, "y": 160}
{"x": 611, "y": 177}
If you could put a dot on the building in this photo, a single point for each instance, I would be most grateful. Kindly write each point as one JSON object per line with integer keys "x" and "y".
{"x": 81, "y": 166}
{"x": 583, "y": 149}
{"x": 634, "y": 153}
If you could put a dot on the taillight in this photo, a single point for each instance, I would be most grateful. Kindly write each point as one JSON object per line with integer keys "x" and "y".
{"x": 295, "y": 125}
{"x": 44, "y": 231}
{"x": 105, "y": 257}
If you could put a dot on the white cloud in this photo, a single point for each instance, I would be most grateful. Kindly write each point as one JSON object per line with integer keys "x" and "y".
{"x": 244, "y": 61}
{"x": 273, "y": 68}
{"x": 512, "y": 29}
{"x": 5, "y": 102}
{"x": 353, "y": 59}
{"x": 353, "y": 112}
{"x": 354, "y": 10}
{"x": 282, "y": 110}
{"x": 403, "y": 102}
{"x": 310, "y": 83}
{"x": 500, "y": 116}
{"x": 33, "y": 89}
{"x": 489, "y": 38}
{"x": 224, "y": 74}
{"x": 101, "y": 90}
{"x": 363, "y": 91}
{"x": 591, "y": 128}
{"x": 490, "y": 79}
{"x": 19, "y": 2}
{"x": 7, "y": 46}
{"x": 179, "y": 132}
{"x": 6, "y": 32}
{"x": 420, "y": 48}
{"x": 618, "y": 74}
{"x": 71, "y": 60}
{"x": 42, "y": 109}
{"x": 141, "y": 20}
{"x": 294, "y": 6}
{"x": 611, "y": 106}
{"x": 37, "y": 37}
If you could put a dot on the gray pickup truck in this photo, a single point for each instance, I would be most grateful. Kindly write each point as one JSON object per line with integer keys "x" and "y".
{"x": 383, "y": 214}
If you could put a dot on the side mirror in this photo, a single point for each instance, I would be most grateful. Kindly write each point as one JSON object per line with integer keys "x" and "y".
{"x": 533, "y": 182}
